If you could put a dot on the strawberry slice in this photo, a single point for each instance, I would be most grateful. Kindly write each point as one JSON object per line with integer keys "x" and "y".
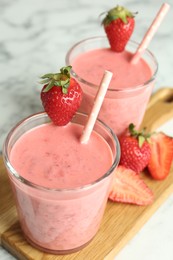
{"x": 128, "y": 187}
{"x": 161, "y": 156}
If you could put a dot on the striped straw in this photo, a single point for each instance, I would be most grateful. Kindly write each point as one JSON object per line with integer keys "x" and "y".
{"x": 96, "y": 107}
{"x": 150, "y": 32}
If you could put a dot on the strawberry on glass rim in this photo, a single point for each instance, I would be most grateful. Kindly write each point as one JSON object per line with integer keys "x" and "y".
{"x": 118, "y": 24}
{"x": 61, "y": 96}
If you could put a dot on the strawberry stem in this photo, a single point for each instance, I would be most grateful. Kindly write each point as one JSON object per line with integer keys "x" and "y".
{"x": 61, "y": 79}
{"x": 117, "y": 12}
{"x": 140, "y": 136}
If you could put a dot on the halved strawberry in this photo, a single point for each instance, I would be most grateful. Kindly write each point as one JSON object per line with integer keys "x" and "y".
{"x": 128, "y": 187}
{"x": 161, "y": 156}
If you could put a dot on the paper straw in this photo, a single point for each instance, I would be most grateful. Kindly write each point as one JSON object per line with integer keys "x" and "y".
{"x": 96, "y": 107}
{"x": 150, "y": 32}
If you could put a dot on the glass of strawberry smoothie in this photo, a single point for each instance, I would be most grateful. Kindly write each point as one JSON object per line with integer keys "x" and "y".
{"x": 60, "y": 186}
{"x": 131, "y": 86}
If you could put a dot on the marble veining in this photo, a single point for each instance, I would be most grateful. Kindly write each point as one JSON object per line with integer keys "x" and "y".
{"x": 34, "y": 39}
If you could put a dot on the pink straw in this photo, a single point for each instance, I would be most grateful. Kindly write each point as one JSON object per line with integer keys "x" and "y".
{"x": 150, "y": 33}
{"x": 96, "y": 107}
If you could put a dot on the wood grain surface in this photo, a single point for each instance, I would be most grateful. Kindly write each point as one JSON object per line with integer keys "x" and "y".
{"x": 120, "y": 222}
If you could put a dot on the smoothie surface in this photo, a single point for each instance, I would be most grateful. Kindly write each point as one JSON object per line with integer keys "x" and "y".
{"x": 91, "y": 65}
{"x": 53, "y": 157}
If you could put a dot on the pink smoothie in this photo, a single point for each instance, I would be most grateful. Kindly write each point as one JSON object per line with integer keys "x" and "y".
{"x": 91, "y": 65}
{"x": 53, "y": 157}
{"x": 125, "y": 100}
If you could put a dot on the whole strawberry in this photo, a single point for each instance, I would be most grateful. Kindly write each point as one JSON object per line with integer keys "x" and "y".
{"x": 119, "y": 24}
{"x": 135, "y": 149}
{"x": 61, "y": 96}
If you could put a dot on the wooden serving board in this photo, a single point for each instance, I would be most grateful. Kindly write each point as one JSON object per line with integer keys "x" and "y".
{"x": 121, "y": 221}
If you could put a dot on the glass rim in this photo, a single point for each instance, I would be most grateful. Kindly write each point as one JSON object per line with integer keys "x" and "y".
{"x": 90, "y": 84}
{"x": 21, "y": 179}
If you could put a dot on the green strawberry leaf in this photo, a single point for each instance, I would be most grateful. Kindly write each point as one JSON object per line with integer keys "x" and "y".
{"x": 61, "y": 79}
{"x": 45, "y": 81}
{"x": 141, "y": 140}
{"x": 140, "y": 136}
{"x": 118, "y": 12}
{"x": 49, "y": 75}
{"x": 66, "y": 70}
{"x": 64, "y": 84}
{"x": 49, "y": 86}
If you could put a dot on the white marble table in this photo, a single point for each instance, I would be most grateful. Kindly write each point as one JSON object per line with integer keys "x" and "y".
{"x": 34, "y": 38}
